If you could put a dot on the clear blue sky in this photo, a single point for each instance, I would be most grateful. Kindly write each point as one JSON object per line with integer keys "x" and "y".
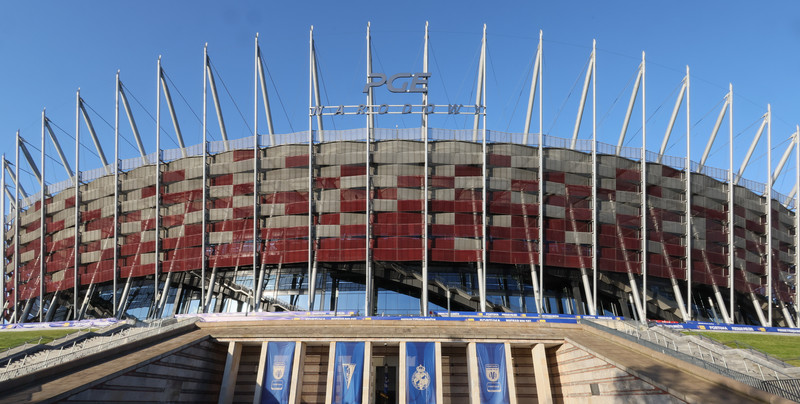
{"x": 49, "y": 49}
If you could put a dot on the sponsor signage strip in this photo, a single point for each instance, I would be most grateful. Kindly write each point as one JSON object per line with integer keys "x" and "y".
{"x": 96, "y": 323}
{"x": 729, "y": 327}
{"x": 401, "y": 109}
{"x": 440, "y": 316}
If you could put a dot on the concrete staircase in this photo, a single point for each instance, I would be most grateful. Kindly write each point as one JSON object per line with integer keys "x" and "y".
{"x": 19, "y": 352}
{"x": 78, "y": 346}
{"x": 749, "y": 366}
{"x": 746, "y": 361}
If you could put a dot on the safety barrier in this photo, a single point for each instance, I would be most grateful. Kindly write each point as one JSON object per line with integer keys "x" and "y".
{"x": 770, "y": 386}
{"x": 49, "y": 358}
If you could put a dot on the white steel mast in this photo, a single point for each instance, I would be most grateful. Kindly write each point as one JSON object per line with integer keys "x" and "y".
{"x": 425, "y": 281}
{"x": 689, "y": 235}
{"x": 312, "y": 273}
{"x": 369, "y": 284}
{"x": 485, "y": 182}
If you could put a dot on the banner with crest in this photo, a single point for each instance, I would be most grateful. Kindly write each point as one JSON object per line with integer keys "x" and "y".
{"x": 348, "y": 372}
{"x": 421, "y": 372}
{"x": 492, "y": 373}
{"x": 278, "y": 375}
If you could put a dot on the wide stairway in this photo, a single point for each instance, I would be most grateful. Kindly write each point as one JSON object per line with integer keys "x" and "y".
{"x": 746, "y": 365}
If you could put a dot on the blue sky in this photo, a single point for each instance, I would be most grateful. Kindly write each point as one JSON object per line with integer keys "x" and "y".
{"x": 51, "y": 48}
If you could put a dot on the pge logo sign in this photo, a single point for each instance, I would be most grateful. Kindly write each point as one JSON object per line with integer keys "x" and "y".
{"x": 418, "y": 82}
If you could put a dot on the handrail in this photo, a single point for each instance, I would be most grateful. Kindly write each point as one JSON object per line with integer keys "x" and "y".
{"x": 747, "y": 348}
{"x": 757, "y": 352}
{"x": 773, "y": 388}
{"x": 22, "y": 345}
{"x": 102, "y": 343}
{"x": 5, "y": 353}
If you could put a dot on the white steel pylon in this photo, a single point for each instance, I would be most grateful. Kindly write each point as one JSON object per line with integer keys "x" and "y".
{"x": 261, "y": 83}
{"x": 135, "y": 129}
{"x": 208, "y": 76}
{"x": 631, "y": 104}
{"x": 162, "y": 83}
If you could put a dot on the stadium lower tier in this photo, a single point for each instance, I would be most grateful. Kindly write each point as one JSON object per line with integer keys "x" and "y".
{"x": 386, "y": 227}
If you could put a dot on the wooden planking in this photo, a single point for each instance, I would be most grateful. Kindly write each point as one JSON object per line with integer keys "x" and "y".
{"x": 191, "y": 375}
{"x": 455, "y": 381}
{"x": 315, "y": 374}
{"x": 523, "y": 375}
{"x": 248, "y": 371}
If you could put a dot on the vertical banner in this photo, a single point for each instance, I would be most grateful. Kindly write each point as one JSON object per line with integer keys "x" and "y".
{"x": 385, "y": 393}
{"x": 492, "y": 373}
{"x": 348, "y": 372}
{"x": 421, "y": 372}
{"x": 278, "y": 374}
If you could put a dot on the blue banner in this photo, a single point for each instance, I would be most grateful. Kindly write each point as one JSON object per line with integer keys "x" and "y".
{"x": 278, "y": 373}
{"x": 421, "y": 372}
{"x": 348, "y": 372}
{"x": 492, "y": 373}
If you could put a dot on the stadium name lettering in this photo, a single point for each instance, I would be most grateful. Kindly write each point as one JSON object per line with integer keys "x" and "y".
{"x": 418, "y": 81}
{"x": 383, "y": 109}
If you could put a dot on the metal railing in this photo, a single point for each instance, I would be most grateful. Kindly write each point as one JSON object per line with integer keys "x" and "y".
{"x": 791, "y": 386}
{"x": 11, "y": 352}
{"x": 85, "y": 348}
{"x": 761, "y": 354}
{"x": 765, "y": 366}
{"x": 790, "y": 393}
{"x": 23, "y": 346}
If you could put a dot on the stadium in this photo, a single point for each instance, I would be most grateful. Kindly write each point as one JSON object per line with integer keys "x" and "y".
{"x": 369, "y": 263}
{"x": 399, "y": 221}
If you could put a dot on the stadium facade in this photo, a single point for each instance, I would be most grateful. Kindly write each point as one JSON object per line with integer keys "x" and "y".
{"x": 400, "y": 221}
